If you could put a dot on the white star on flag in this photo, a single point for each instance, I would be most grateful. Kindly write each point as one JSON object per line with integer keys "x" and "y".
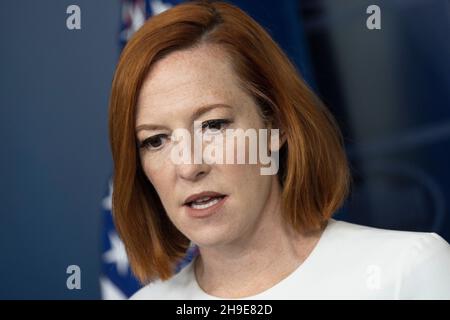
{"x": 117, "y": 254}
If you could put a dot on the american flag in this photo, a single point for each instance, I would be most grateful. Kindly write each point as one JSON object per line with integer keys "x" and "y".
{"x": 116, "y": 280}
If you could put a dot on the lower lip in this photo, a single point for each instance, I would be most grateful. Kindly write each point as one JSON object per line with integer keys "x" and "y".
{"x": 207, "y": 212}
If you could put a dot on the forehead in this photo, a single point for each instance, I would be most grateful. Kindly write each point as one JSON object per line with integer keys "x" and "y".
{"x": 187, "y": 79}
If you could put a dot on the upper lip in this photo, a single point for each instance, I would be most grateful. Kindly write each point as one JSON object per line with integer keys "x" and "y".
{"x": 196, "y": 196}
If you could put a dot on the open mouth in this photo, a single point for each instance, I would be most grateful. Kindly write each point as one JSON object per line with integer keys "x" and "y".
{"x": 204, "y": 202}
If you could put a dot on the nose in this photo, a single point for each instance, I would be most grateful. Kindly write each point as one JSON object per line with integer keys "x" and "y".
{"x": 196, "y": 168}
{"x": 193, "y": 172}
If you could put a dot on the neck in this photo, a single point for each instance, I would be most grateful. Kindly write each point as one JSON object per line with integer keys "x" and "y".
{"x": 258, "y": 260}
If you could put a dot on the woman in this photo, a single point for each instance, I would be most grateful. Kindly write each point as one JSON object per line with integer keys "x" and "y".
{"x": 258, "y": 235}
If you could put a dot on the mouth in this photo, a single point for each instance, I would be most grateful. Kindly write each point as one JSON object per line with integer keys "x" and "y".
{"x": 204, "y": 204}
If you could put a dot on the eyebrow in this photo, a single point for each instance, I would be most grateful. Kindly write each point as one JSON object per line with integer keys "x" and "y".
{"x": 195, "y": 115}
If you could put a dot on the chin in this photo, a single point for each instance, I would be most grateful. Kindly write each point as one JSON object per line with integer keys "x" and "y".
{"x": 211, "y": 238}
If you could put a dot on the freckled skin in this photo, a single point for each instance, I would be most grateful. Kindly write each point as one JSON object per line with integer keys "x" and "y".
{"x": 176, "y": 86}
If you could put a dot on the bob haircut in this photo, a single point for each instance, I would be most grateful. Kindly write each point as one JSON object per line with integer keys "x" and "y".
{"x": 313, "y": 170}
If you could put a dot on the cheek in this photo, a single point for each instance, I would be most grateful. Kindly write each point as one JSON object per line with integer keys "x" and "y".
{"x": 157, "y": 175}
{"x": 246, "y": 181}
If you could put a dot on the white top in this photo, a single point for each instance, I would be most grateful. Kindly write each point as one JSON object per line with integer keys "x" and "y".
{"x": 349, "y": 261}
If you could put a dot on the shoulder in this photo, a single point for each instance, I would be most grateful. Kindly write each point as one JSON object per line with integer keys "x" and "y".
{"x": 411, "y": 244}
{"x": 176, "y": 288}
{"x": 365, "y": 235}
{"x": 419, "y": 261}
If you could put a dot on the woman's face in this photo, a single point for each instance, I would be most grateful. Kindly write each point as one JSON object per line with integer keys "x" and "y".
{"x": 173, "y": 91}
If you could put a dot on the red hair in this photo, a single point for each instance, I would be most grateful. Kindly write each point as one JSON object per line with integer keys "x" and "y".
{"x": 313, "y": 172}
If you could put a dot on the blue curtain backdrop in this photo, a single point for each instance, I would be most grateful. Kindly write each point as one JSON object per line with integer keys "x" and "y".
{"x": 387, "y": 88}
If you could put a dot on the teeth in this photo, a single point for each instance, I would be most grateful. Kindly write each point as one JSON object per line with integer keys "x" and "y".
{"x": 205, "y": 205}
{"x": 203, "y": 199}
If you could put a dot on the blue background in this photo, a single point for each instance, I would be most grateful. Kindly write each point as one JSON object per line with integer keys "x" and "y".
{"x": 389, "y": 90}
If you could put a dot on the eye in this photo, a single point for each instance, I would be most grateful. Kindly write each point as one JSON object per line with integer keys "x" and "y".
{"x": 215, "y": 124}
{"x": 153, "y": 143}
